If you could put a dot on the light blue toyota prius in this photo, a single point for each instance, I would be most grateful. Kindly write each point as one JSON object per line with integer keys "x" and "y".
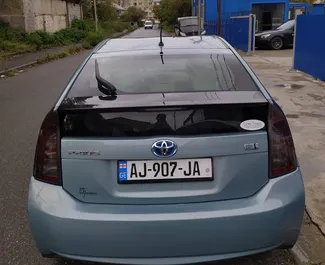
{"x": 164, "y": 154}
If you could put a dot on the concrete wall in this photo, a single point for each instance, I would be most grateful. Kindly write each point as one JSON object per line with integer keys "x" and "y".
{"x": 74, "y": 12}
{"x": 13, "y": 15}
{"x": 49, "y": 15}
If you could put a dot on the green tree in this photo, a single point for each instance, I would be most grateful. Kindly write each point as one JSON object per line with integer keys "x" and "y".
{"x": 133, "y": 14}
{"x": 169, "y": 10}
{"x": 105, "y": 10}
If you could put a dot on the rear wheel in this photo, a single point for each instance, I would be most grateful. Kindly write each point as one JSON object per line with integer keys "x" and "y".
{"x": 276, "y": 43}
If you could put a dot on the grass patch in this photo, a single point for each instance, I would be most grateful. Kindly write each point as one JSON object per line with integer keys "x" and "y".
{"x": 59, "y": 55}
{"x": 11, "y": 73}
{"x": 82, "y": 31}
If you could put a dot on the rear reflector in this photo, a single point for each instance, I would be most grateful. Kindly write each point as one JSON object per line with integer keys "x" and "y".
{"x": 282, "y": 150}
{"x": 46, "y": 165}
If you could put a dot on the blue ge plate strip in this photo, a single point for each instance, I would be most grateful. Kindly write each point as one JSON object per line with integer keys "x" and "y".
{"x": 122, "y": 170}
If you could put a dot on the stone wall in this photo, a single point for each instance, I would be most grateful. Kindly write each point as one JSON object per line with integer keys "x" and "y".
{"x": 13, "y": 15}
{"x": 49, "y": 15}
{"x": 75, "y": 11}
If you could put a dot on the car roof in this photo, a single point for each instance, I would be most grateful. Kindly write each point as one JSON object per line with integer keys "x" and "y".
{"x": 128, "y": 45}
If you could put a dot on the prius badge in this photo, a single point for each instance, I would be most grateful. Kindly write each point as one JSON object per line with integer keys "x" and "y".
{"x": 164, "y": 148}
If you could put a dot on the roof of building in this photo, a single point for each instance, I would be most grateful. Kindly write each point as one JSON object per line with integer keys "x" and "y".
{"x": 170, "y": 43}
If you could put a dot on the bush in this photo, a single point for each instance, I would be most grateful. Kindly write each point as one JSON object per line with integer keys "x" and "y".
{"x": 46, "y": 38}
{"x": 11, "y": 34}
{"x": 9, "y": 46}
{"x": 81, "y": 31}
{"x": 69, "y": 35}
{"x": 86, "y": 45}
{"x": 35, "y": 39}
{"x": 79, "y": 24}
{"x": 93, "y": 38}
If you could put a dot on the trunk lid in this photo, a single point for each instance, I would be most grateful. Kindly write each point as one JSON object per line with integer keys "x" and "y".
{"x": 98, "y": 133}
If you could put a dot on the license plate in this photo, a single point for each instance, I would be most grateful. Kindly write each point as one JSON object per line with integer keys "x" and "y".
{"x": 165, "y": 170}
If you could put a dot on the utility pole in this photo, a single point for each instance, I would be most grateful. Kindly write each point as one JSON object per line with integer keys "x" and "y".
{"x": 96, "y": 17}
{"x": 199, "y": 18}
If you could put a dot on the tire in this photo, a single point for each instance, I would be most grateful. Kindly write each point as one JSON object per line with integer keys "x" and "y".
{"x": 276, "y": 43}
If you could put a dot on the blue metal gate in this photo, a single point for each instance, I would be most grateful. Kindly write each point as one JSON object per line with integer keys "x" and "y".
{"x": 309, "y": 51}
{"x": 239, "y": 31}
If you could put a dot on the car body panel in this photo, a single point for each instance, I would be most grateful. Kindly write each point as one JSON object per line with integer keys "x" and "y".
{"x": 247, "y": 171}
{"x": 128, "y": 233}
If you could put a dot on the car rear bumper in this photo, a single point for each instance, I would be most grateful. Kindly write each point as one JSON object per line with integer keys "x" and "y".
{"x": 166, "y": 234}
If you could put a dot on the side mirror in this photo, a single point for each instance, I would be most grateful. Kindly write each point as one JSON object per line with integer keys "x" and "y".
{"x": 176, "y": 26}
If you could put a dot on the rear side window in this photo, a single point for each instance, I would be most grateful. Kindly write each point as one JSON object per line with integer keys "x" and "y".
{"x": 179, "y": 73}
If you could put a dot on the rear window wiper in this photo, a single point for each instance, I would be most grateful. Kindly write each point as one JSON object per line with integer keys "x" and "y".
{"x": 104, "y": 86}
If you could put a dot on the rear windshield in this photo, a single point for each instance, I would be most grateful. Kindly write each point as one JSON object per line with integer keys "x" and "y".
{"x": 189, "y": 21}
{"x": 179, "y": 73}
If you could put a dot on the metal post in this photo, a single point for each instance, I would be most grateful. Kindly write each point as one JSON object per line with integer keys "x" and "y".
{"x": 254, "y": 31}
{"x": 199, "y": 18}
{"x": 294, "y": 43}
{"x": 96, "y": 18}
{"x": 250, "y": 25}
{"x": 219, "y": 18}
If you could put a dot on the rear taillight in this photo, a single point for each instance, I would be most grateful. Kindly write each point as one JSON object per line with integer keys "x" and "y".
{"x": 46, "y": 165}
{"x": 282, "y": 150}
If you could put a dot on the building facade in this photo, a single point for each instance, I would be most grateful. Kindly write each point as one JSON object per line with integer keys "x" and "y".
{"x": 269, "y": 13}
{"x": 48, "y": 15}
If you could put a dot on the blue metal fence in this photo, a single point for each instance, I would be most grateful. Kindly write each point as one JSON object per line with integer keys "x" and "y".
{"x": 235, "y": 29}
{"x": 211, "y": 27}
{"x": 236, "y": 32}
{"x": 309, "y": 54}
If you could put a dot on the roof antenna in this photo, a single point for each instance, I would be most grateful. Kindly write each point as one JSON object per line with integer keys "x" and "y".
{"x": 161, "y": 44}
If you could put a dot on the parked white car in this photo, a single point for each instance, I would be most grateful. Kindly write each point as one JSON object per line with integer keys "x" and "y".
{"x": 148, "y": 24}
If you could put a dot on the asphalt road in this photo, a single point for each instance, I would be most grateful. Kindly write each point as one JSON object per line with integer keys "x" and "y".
{"x": 24, "y": 101}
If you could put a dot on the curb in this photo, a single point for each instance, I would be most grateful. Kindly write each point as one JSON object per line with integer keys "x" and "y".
{"x": 18, "y": 67}
{"x": 299, "y": 256}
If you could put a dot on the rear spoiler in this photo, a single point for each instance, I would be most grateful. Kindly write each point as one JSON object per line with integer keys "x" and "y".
{"x": 163, "y": 100}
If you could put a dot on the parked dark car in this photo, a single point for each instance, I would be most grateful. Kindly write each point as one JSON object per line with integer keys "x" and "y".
{"x": 278, "y": 38}
{"x": 188, "y": 26}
